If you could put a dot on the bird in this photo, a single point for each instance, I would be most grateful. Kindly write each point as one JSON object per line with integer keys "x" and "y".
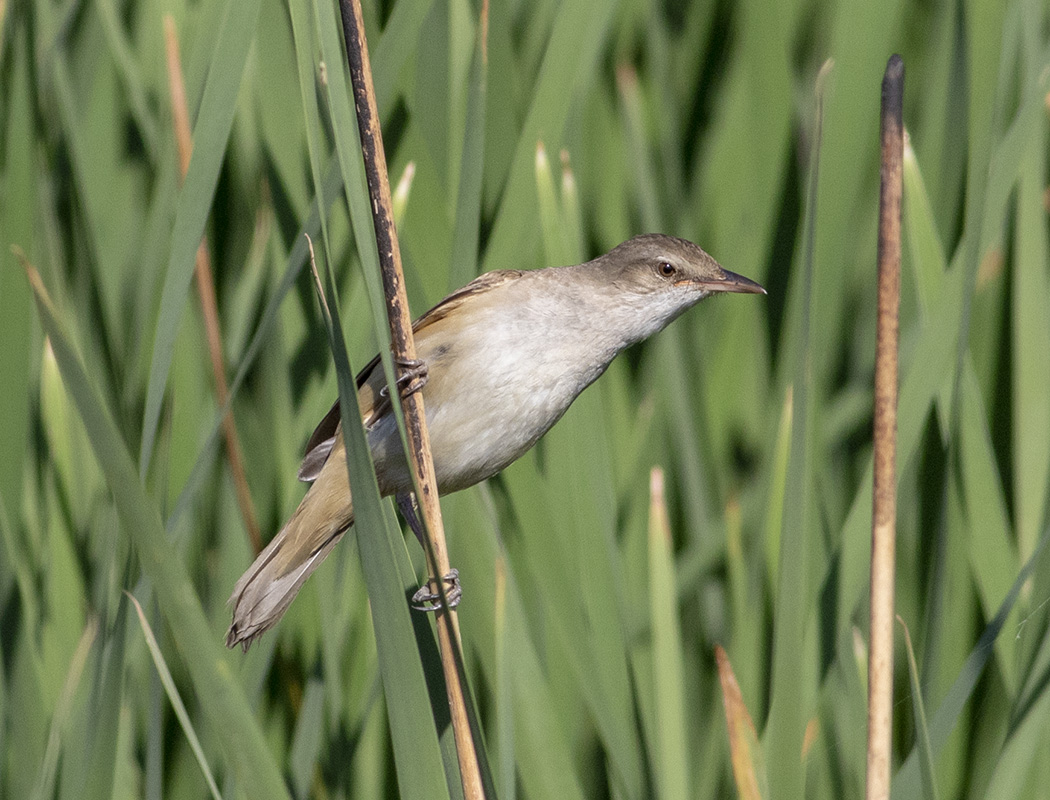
{"x": 499, "y": 362}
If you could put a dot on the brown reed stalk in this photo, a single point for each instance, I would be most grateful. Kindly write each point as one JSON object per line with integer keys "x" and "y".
{"x": 884, "y": 510}
{"x": 420, "y": 457}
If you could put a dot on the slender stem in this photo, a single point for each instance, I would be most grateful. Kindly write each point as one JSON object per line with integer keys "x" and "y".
{"x": 206, "y": 290}
{"x": 884, "y": 511}
{"x": 420, "y": 457}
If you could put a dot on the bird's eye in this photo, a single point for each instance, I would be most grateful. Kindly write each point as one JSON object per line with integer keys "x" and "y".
{"x": 666, "y": 269}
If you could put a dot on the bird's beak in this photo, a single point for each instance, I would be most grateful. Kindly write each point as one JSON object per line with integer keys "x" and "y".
{"x": 731, "y": 282}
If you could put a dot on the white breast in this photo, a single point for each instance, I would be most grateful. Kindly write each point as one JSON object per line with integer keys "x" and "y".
{"x": 496, "y": 385}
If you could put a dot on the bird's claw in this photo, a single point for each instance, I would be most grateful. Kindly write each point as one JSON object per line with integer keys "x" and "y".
{"x": 428, "y": 598}
{"x": 412, "y": 378}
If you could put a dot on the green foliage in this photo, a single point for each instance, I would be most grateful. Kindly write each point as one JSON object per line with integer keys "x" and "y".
{"x": 589, "y": 628}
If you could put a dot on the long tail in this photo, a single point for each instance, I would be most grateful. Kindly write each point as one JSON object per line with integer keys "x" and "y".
{"x": 265, "y": 591}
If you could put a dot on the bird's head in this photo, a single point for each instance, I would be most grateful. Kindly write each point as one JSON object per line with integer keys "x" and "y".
{"x": 656, "y": 277}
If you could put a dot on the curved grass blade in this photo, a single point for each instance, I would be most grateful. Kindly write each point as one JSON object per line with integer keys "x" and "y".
{"x": 907, "y": 782}
{"x": 89, "y": 767}
{"x": 745, "y": 750}
{"x": 925, "y": 248}
{"x": 221, "y": 696}
{"x": 922, "y": 730}
{"x": 45, "y": 786}
{"x": 1027, "y": 738}
{"x": 348, "y": 152}
{"x": 174, "y": 698}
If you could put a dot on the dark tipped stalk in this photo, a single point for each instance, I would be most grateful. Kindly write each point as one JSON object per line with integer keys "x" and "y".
{"x": 884, "y": 511}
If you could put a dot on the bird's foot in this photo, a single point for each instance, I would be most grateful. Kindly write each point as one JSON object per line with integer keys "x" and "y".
{"x": 428, "y": 598}
{"x": 413, "y": 377}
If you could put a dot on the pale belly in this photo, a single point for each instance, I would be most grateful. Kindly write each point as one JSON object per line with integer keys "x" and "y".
{"x": 486, "y": 406}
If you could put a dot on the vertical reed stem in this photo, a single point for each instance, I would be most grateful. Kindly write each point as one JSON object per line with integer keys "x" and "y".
{"x": 421, "y": 459}
{"x": 884, "y": 511}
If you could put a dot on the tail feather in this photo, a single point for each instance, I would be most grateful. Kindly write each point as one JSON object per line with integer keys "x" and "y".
{"x": 264, "y": 592}
{"x": 262, "y": 595}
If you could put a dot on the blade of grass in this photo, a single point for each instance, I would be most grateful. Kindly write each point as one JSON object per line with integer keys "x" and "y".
{"x": 89, "y": 765}
{"x": 745, "y": 149}
{"x": 349, "y": 152}
{"x": 93, "y": 196}
{"x": 1020, "y": 761}
{"x": 420, "y": 770}
{"x": 786, "y": 725}
{"x": 645, "y": 179}
{"x": 778, "y": 485}
{"x": 45, "y": 785}
{"x": 922, "y": 731}
{"x": 214, "y": 121}
{"x": 907, "y": 783}
{"x": 3, "y": 683}
{"x": 398, "y": 42}
{"x": 745, "y": 749}
{"x": 307, "y": 739}
{"x": 1030, "y": 341}
{"x": 17, "y": 226}
{"x": 749, "y": 619}
{"x": 221, "y": 696}
{"x": 268, "y": 320}
{"x": 174, "y": 698}
{"x": 672, "y": 741}
{"x": 543, "y": 756}
{"x": 571, "y": 55}
{"x": 399, "y": 199}
{"x": 682, "y": 429}
{"x": 570, "y": 206}
{"x": 992, "y": 552}
{"x": 431, "y": 99}
{"x": 504, "y": 699}
{"x": 928, "y": 260}
{"x": 551, "y": 220}
{"x": 463, "y": 265}
{"x": 859, "y": 41}
{"x": 926, "y": 250}
{"x": 206, "y": 292}
{"x": 131, "y": 77}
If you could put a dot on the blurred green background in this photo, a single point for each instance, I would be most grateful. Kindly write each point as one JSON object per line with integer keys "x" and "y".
{"x": 589, "y": 623}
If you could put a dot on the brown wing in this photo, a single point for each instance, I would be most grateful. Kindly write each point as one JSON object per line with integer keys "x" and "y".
{"x": 370, "y": 380}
